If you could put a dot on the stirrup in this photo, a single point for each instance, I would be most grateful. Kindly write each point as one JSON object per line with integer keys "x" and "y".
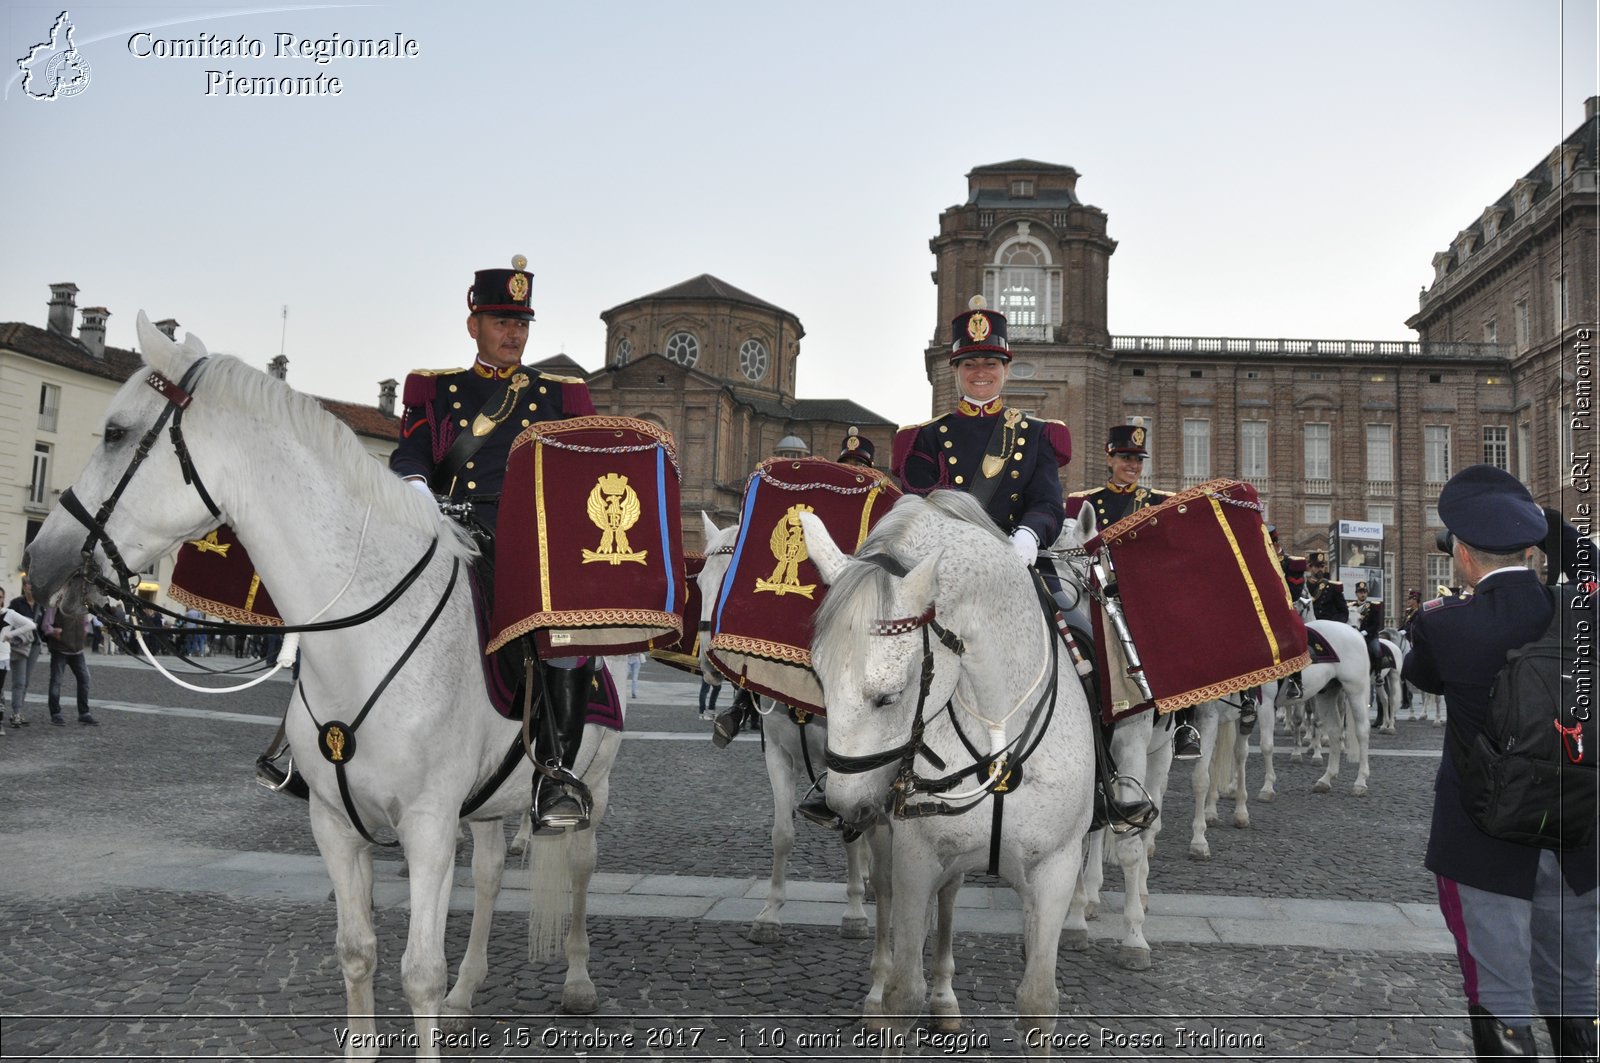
{"x": 814, "y": 807}
{"x": 560, "y": 801}
{"x": 1247, "y": 718}
{"x": 1121, "y": 817}
{"x": 279, "y": 781}
{"x": 1185, "y": 742}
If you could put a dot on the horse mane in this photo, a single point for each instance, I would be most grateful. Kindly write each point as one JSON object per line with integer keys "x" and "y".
{"x": 365, "y": 479}
{"x": 856, "y": 598}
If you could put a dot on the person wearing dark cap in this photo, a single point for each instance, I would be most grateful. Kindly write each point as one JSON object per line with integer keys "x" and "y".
{"x": 1120, "y": 496}
{"x": 455, "y": 439}
{"x": 1524, "y": 918}
{"x": 1327, "y": 596}
{"x": 856, "y": 449}
{"x": 1006, "y": 459}
{"x": 1369, "y": 619}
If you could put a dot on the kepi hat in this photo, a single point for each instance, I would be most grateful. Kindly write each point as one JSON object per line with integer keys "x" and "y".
{"x": 1128, "y": 439}
{"x": 979, "y": 333}
{"x": 856, "y": 447}
{"x": 506, "y": 292}
{"x": 1488, "y": 508}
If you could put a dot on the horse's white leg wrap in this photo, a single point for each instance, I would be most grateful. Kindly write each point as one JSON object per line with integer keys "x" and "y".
{"x": 783, "y": 749}
{"x": 488, "y": 868}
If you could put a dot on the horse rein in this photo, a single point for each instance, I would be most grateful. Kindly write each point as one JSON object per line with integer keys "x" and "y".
{"x": 1000, "y": 767}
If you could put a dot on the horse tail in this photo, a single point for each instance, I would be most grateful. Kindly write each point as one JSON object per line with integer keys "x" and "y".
{"x": 549, "y": 894}
{"x": 1222, "y": 756}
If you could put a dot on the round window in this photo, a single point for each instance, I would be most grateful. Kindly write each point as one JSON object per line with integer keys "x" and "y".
{"x": 683, "y": 348}
{"x": 753, "y": 359}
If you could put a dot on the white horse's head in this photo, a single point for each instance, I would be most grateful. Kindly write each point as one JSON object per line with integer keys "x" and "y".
{"x": 156, "y": 510}
{"x": 719, "y": 552}
{"x": 1075, "y": 531}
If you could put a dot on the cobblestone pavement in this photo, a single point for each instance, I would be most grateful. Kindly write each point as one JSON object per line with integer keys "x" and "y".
{"x": 112, "y": 954}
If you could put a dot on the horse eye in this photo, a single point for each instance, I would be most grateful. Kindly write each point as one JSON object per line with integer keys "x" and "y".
{"x": 115, "y": 433}
{"x": 885, "y": 700}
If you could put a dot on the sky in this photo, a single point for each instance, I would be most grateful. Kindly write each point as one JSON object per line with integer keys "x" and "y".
{"x": 1267, "y": 168}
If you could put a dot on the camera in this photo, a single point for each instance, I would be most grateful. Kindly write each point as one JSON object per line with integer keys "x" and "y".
{"x": 1444, "y": 540}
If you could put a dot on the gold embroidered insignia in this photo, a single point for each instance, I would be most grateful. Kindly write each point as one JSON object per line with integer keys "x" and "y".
{"x": 1138, "y": 437}
{"x": 210, "y": 544}
{"x": 518, "y": 287}
{"x": 789, "y": 547}
{"x": 614, "y": 508}
{"x": 978, "y": 327}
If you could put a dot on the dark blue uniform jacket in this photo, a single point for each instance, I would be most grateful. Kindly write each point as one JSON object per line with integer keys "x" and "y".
{"x": 1458, "y": 646}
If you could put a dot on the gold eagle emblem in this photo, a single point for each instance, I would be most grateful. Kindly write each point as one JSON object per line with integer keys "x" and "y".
{"x": 978, "y": 327}
{"x": 789, "y": 547}
{"x": 614, "y": 508}
{"x": 210, "y": 544}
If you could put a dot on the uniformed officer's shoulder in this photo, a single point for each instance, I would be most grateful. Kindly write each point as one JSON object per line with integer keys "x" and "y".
{"x": 438, "y": 372}
{"x": 920, "y": 425}
{"x": 1443, "y": 603}
{"x": 1086, "y": 493}
{"x": 423, "y": 384}
{"x": 553, "y": 378}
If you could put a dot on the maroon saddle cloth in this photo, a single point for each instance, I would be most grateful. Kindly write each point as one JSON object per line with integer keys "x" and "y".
{"x": 503, "y": 669}
{"x": 1322, "y": 651}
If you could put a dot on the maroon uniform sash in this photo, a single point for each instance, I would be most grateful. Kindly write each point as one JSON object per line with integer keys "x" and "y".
{"x": 761, "y": 626}
{"x": 1204, "y": 599}
{"x": 589, "y": 551}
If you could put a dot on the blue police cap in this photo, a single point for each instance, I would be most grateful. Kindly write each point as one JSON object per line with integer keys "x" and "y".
{"x": 1489, "y": 508}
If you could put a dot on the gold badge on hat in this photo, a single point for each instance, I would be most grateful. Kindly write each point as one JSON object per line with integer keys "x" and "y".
{"x": 1138, "y": 437}
{"x": 518, "y": 287}
{"x": 978, "y": 327}
{"x": 614, "y": 508}
{"x": 853, "y": 442}
{"x": 788, "y": 543}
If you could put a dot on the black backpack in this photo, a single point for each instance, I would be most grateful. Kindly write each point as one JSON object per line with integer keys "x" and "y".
{"x": 1530, "y": 776}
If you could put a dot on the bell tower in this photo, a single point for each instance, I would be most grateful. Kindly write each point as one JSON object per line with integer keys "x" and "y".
{"x": 1038, "y": 255}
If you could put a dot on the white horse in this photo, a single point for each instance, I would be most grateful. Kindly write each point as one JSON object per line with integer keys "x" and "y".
{"x": 1386, "y": 685}
{"x": 787, "y": 747}
{"x": 1336, "y": 700}
{"x": 936, "y": 642}
{"x": 331, "y": 530}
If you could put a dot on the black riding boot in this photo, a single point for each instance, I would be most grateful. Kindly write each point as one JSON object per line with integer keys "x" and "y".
{"x": 1247, "y": 710}
{"x": 1572, "y": 1039}
{"x": 560, "y": 800}
{"x": 1185, "y": 739}
{"x": 1492, "y": 1038}
{"x": 726, "y": 726}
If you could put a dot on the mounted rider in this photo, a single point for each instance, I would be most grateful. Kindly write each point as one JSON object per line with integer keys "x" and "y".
{"x": 1120, "y": 496}
{"x": 1327, "y": 596}
{"x": 455, "y": 438}
{"x": 1369, "y": 613}
{"x": 1010, "y": 461}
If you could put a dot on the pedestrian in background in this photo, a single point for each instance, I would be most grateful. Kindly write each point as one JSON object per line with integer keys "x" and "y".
{"x": 1524, "y": 917}
{"x": 24, "y": 652}
{"x": 709, "y": 691}
{"x": 67, "y": 631}
{"x": 12, "y": 624}
{"x": 635, "y": 664}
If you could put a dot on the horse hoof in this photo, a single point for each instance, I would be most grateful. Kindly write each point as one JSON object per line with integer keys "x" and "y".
{"x": 763, "y": 933}
{"x": 1241, "y": 822}
{"x": 1358, "y": 790}
{"x": 854, "y": 927}
{"x": 1076, "y": 940}
{"x": 1199, "y": 852}
{"x": 1321, "y": 787}
{"x": 1266, "y": 796}
{"x": 1134, "y": 959}
{"x": 1211, "y": 819}
{"x": 455, "y": 1022}
{"x": 580, "y": 1000}
{"x": 945, "y": 1023}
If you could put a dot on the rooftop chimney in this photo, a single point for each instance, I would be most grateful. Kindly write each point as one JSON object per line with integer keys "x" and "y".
{"x": 63, "y": 302}
{"x": 1591, "y": 107}
{"x": 93, "y": 332}
{"x": 168, "y": 327}
{"x": 386, "y": 390}
{"x": 279, "y": 367}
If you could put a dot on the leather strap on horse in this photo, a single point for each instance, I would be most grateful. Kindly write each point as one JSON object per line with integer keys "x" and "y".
{"x": 372, "y": 699}
{"x": 468, "y": 441}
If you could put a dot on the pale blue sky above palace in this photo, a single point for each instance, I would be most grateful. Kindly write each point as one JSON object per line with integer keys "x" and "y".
{"x": 1268, "y": 169}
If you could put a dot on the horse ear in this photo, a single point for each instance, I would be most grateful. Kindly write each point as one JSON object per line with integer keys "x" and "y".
{"x": 828, "y": 558}
{"x": 922, "y": 582}
{"x": 709, "y": 525}
{"x": 159, "y": 351}
{"x": 192, "y": 343}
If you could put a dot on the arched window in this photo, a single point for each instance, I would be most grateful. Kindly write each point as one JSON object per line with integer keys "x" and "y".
{"x": 624, "y": 350}
{"x": 753, "y": 359}
{"x": 1024, "y": 284}
{"x": 683, "y": 348}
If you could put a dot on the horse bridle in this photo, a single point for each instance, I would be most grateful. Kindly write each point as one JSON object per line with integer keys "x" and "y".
{"x": 124, "y": 589}
{"x": 907, "y": 781}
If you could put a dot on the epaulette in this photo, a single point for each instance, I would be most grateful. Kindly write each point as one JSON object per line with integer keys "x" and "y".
{"x": 562, "y": 379}
{"x": 1083, "y": 494}
{"x": 437, "y": 372}
{"x": 920, "y": 424}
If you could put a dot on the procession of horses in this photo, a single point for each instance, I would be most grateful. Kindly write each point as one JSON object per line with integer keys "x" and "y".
{"x": 945, "y": 695}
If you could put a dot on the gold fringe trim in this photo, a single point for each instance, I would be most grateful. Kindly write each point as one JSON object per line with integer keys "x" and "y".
{"x": 668, "y": 623}
{"x": 1232, "y": 686}
{"x": 776, "y": 651}
{"x": 230, "y": 613}
{"x": 554, "y": 430}
{"x": 1132, "y": 521}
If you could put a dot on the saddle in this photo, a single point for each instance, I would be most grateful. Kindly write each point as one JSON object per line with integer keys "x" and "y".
{"x": 1322, "y": 651}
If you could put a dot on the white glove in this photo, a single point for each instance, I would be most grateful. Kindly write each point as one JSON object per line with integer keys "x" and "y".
{"x": 421, "y": 485}
{"x": 1026, "y": 545}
